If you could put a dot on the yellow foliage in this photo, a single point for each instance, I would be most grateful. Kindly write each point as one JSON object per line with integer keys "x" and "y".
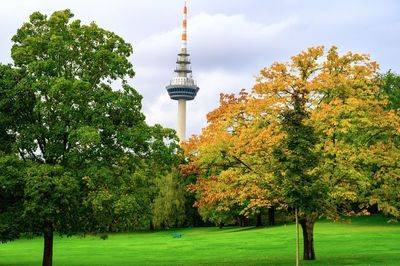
{"x": 343, "y": 104}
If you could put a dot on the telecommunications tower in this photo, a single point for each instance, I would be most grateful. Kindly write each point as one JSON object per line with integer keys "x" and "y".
{"x": 182, "y": 87}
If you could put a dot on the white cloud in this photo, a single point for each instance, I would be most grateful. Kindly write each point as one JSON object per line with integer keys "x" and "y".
{"x": 164, "y": 110}
{"x": 161, "y": 111}
{"x": 215, "y": 41}
{"x": 227, "y": 52}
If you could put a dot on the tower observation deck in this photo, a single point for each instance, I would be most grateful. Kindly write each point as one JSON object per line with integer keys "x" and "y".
{"x": 182, "y": 87}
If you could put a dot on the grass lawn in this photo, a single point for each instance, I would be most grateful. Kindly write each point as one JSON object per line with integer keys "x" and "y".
{"x": 366, "y": 241}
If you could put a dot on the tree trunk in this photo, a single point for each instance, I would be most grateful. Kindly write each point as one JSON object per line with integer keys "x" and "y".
{"x": 271, "y": 215}
{"x": 243, "y": 221}
{"x": 151, "y": 226}
{"x": 297, "y": 239}
{"x": 259, "y": 219}
{"x": 48, "y": 248}
{"x": 307, "y": 225}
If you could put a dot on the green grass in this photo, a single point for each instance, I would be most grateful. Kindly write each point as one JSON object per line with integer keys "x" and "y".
{"x": 366, "y": 241}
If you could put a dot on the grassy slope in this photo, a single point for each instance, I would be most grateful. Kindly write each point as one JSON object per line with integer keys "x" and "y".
{"x": 366, "y": 241}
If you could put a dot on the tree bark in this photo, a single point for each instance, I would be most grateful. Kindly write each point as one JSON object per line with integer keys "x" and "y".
{"x": 307, "y": 225}
{"x": 48, "y": 248}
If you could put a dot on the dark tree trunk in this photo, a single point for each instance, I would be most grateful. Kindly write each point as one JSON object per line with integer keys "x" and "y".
{"x": 48, "y": 248}
{"x": 221, "y": 225}
{"x": 196, "y": 220}
{"x": 373, "y": 209}
{"x": 151, "y": 226}
{"x": 243, "y": 221}
{"x": 307, "y": 224}
{"x": 271, "y": 216}
{"x": 259, "y": 219}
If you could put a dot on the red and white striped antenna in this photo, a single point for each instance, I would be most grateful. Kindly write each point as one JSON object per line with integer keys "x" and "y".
{"x": 184, "y": 28}
{"x": 182, "y": 87}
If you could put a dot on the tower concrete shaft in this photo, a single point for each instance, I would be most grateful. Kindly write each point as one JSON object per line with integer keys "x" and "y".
{"x": 182, "y": 87}
{"x": 181, "y": 125}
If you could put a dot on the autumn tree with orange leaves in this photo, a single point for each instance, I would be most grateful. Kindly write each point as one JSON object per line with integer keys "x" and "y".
{"x": 314, "y": 134}
{"x": 230, "y": 161}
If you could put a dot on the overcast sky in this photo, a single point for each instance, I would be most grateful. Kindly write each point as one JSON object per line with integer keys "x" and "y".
{"x": 229, "y": 40}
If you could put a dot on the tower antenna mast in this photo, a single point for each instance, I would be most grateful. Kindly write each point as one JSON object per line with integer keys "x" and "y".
{"x": 182, "y": 87}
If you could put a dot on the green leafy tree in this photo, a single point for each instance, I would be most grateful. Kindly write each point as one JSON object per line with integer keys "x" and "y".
{"x": 391, "y": 87}
{"x": 13, "y": 105}
{"x": 85, "y": 144}
{"x": 11, "y": 196}
{"x": 298, "y": 184}
{"x": 12, "y": 170}
{"x": 51, "y": 203}
{"x": 169, "y": 204}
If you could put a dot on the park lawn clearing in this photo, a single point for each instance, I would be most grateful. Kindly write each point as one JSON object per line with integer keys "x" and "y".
{"x": 364, "y": 241}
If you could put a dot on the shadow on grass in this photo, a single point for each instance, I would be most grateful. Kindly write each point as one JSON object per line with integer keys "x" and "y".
{"x": 369, "y": 220}
{"x": 246, "y": 229}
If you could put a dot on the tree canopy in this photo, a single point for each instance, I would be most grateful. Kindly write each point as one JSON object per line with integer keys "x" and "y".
{"x": 71, "y": 119}
{"x": 314, "y": 134}
{"x": 390, "y": 87}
